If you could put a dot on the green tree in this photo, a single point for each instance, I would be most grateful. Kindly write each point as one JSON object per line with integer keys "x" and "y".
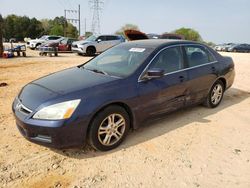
{"x": 56, "y": 30}
{"x": 57, "y": 27}
{"x": 189, "y": 34}
{"x": 127, "y": 27}
{"x": 71, "y": 31}
{"x": 35, "y": 29}
{"x": 22, "y": 26}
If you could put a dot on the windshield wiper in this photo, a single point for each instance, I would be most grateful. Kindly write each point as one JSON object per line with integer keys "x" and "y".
{"x": 99, "y": 71}
{"x": 96, "y": 71}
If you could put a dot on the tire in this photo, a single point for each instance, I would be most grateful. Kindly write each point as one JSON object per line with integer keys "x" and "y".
{"x": 37, "y": 46}
{"x": 103, "y": 135}
{"x": 215, "y": 95}
{"x": 90, "y": 51}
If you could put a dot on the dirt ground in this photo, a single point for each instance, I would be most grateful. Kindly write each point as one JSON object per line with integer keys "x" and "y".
{"x": 195, "y": 147}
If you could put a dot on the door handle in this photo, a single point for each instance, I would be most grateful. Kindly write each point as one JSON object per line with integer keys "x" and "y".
{"x": 181, "y": 78}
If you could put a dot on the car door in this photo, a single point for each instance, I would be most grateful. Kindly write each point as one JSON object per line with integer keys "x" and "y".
{"x": 63, "y": 45}
{"x": 202, "y": 70}
{"x": 102, "y": 44}
{"x": 165, "y": 94}
{"x": 112, "y": 41}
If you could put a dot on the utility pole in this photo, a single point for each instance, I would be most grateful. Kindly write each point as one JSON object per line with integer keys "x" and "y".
{"x": 85, "y": 26}
{"x": 65, "y": 24}
{"x": 1, "y": 36}
{"x": 96, "y": 6}
{"x": 77, "y": 20}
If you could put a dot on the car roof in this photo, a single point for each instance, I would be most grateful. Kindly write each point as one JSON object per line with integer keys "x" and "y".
{"x": 109, "y": 35}
{"x": 155, "y": 43}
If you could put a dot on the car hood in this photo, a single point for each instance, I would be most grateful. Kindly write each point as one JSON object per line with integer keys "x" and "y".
{"x": 81, "y": 42}
{"x": 61, "y": 84}
{"x": 36, "y": 40}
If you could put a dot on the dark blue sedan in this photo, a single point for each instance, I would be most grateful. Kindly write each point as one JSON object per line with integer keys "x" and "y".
{"x": 120, "y": 89}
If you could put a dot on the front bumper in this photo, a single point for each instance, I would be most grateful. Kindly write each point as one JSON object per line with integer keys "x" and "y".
{"x": 55, "y": 134}
{"x": 78, "y": 50}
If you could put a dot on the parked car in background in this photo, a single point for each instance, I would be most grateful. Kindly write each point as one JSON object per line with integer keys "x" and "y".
{"x": 12, "y": 40}
{"x": 33, "y": 44}
{"x": 240, "y": 48}
{"x": 66, "y": 44}
{"x": 98, "y": 102}
{"x": 63, "y": 44}
{"x": 218, "y": 47}
{"x": 99, "y": 44}
{"x": 225, "y": 47}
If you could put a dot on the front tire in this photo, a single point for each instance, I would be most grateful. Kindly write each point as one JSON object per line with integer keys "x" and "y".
{"x": 90, "y": 51}
{"x": 215, "y": 95}
{"x": 109, "y": 128}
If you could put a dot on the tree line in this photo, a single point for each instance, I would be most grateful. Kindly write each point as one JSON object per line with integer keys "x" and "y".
{"x": 20, "y": 27}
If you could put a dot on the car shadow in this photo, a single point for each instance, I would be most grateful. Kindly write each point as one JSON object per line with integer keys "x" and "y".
{"x": 162, "y": 125}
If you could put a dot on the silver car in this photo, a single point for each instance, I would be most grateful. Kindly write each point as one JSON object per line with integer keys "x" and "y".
{"x": 93, "y": 44}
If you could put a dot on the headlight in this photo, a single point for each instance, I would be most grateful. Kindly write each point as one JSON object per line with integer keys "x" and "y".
{"x": 57, "y": 111}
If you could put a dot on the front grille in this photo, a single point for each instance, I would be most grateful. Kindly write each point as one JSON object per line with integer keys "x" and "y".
{"x": 21, "y": 108}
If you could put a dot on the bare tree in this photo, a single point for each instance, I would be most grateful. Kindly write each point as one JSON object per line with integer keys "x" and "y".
{"x": 1, "y": 35}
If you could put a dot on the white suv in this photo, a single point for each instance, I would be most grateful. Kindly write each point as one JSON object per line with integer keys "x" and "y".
{"x": 32, "y": 44}
{"x": 93, "y": 44}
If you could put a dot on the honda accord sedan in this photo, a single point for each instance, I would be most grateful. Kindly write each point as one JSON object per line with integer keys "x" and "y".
{"x": 99, "y": 101}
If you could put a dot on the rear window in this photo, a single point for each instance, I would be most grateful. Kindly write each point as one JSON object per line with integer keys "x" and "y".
{"x": 53, "y": 38}
{"x": 198, "y": 55}
{"x": 112, "y": 38}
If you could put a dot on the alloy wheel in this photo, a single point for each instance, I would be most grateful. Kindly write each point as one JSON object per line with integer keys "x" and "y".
{"x": 216, "y": 94}
{"x": 112, "y": 129}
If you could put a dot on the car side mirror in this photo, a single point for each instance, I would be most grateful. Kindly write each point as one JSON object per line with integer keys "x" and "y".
{"x": 154, "y": 73}
{"x": 99, "y": 40}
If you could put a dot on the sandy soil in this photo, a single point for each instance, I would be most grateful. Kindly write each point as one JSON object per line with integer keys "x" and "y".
{"x": 196, "y": 147}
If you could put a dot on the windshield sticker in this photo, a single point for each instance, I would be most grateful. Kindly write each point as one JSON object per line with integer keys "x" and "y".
{"x": 137, "y": 50}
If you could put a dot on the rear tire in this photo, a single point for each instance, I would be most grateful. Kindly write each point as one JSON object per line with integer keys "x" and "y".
{"x": 215, "y": 95}
{"x": 109, "y": 128}
{"x": 90, "y": 51}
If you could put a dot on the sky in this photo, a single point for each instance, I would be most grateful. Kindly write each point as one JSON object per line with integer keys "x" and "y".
{"x": 218, "y": 21}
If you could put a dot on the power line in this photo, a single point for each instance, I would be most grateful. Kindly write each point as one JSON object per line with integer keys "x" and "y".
{"x": 96, "y": 6}
{"x": 76, "y": 19}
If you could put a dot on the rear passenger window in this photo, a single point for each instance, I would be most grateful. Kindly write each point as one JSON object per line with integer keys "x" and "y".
{"x": 198, "y": 55}
{"x": 111, "y": 38}
{"x": 169, "y": 60}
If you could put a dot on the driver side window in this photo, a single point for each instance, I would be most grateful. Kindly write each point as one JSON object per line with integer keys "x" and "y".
{"x": 169, "y": 60}
{"x": 102, "y": 38}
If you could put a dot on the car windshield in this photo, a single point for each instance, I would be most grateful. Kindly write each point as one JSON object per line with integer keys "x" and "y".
{"x": 91, "y": 38}
{"x": 43, "y": 37}
{"x": 119, "y": 61}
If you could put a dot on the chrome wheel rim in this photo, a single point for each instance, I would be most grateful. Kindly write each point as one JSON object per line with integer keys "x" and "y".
{"x": 112, "y": 129}
{"x": 216, "y": 94}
